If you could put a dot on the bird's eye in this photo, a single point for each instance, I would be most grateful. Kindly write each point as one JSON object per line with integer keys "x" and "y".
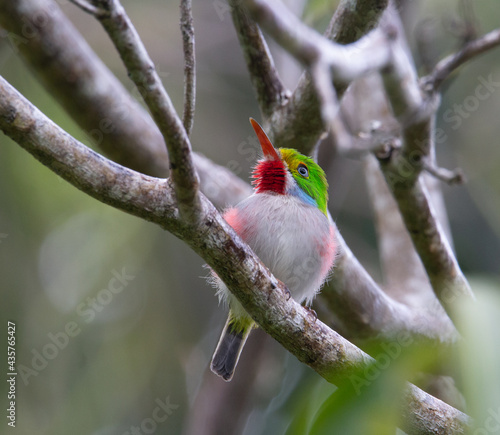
{"x": 302, "y": 170}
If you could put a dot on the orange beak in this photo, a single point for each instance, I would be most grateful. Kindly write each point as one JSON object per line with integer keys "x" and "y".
{"x": 267, "y": 147}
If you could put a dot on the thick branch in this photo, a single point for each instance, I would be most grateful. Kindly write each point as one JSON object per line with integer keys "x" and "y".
{"x": 187, "y": 30}
{"x": 402, "y": 169}
{"x": 353, "y": 19}
{"x": 364, "y": 309}
{"x": 419, "y": 417}
{"x": 142, "y": 71}
{"x": 430, "y": 241}
{"x": 83, "y": 85}
{"x": 141, "y": 195}
{"x": 270, "y": 91}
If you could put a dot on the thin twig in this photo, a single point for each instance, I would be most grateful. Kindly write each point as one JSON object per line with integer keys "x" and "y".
{"x": 446, "y": 66}
{"x": 143, "y": 73}
{"x": 89, "y": 8}
{"x": 187, "y": 30}
{"x": 450, "y": 177}
{"x": 270, "y": 90}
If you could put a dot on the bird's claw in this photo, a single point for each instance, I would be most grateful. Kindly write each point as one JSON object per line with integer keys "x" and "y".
{"x": 311, "y": 312}
{"x": 288, "y": 294}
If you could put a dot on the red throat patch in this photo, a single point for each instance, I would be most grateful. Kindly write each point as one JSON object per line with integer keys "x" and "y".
{"x": 269, "y": 176}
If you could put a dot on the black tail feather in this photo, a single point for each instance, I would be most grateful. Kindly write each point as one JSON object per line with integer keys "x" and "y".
{"x": 228, "y": 350}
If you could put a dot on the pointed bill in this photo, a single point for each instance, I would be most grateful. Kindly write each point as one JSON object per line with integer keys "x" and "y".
{"x": 267, "y": 147}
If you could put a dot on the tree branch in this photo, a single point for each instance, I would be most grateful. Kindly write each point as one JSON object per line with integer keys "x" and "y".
{"x": 132, "y": 192}
{"x": 419, "y": 416}
{"x": 451, "y": 177}
{"x": 429, "y": 239}
{"x": 87, "y": 7}
{"x": 308, "y": 47}
{"x": 353, "y": 19}
{"x": 402, "y": 169}
{"x": 366, "y": 311}
{"x": 325, "y": 92}
{"x": 187, "y": 30}
{"x": 299, "y": 122}
{"x": 143, "y": 73}
{"x": 270, "y": 91}
{"x": 405, "y": 278}
{"x": 446, "y": 66}
{"x": 74, "y": 75}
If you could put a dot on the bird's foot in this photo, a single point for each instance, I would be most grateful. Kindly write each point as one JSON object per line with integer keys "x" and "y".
{"x": 288, "y": 294}
{"x": 311, "y": 312}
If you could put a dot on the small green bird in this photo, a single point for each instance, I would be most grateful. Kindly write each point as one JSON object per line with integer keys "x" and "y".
{"x": 286, "y": 224}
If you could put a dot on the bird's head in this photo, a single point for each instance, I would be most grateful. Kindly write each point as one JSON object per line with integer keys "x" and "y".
{"x": 284, "y": 171}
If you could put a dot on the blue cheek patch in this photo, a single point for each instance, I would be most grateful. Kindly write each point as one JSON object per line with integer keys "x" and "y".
{"x": 303, "y": 196}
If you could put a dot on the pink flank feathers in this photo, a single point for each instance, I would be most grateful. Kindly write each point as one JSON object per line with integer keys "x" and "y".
{"x": 328, "y": 252}
{"x": 232, "y": 218}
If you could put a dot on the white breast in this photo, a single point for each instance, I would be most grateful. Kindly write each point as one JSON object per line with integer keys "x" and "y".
{"x": 291, "y": 238}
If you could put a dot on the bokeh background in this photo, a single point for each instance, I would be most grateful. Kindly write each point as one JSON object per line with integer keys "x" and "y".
{"x": 151, "y": 341}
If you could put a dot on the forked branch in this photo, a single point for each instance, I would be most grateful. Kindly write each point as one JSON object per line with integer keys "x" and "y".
{"x": 142, "y": 71}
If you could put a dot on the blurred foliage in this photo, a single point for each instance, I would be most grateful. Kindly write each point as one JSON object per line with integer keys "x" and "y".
{"x": 149, "y": 343}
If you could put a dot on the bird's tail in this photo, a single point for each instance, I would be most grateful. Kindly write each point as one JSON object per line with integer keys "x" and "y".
{"x": 228, "y": 351}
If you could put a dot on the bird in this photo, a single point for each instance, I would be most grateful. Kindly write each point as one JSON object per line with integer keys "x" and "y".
{"x": 286, "y": 223}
